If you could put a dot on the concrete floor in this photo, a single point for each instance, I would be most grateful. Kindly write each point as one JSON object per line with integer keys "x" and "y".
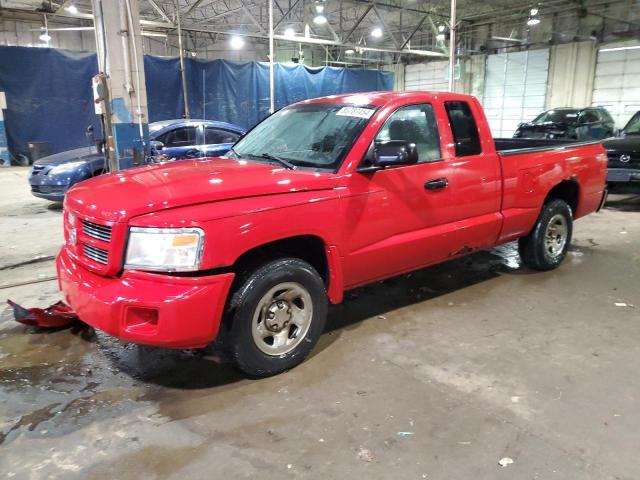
{"x": 437, "y": 375}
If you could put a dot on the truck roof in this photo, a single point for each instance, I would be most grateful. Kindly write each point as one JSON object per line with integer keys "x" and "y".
{"x": 381, "y": 98}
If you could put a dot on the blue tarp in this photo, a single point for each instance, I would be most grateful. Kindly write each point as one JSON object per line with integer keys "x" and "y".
{"x": 49, "y": 91}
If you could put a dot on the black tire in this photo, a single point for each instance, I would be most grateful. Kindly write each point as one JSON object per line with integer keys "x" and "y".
{"x": 240, "y": 317}
{"x": 534, "y": 248}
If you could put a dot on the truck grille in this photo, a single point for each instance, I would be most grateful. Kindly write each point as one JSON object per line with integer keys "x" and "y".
{"x": 96, "y": 254}
{"x": 101, "y": 232}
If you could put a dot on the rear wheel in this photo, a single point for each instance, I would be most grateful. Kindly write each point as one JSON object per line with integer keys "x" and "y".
{"x": 275, "y": 317}
{"x": 546, "y": 246}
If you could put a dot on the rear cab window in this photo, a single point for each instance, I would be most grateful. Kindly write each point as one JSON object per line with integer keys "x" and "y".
{"x": 464, "y": 129}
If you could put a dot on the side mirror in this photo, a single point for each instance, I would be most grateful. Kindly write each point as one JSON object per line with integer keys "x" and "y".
{"x": 156, "y": 145}
{"x": 89, "y": 134}
{"x": 394, "y": 152}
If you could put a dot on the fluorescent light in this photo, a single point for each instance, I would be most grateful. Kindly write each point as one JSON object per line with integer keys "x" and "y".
{"x": 533, "y": 21}
{"x": 441, "y": 28}
{"x": 349, "y": 51}
{"x": 71, "y": 9}
{"x": 376, "y": 32}
{"x": 534, "y": 12}
{"x": 236, "y": 42}
{"x": 289, "y": 32}
{"x": 319, "y": 7}
{"x": 319, "y": 19}
{"x": 440, "y": 37}
{"x": 617, "y": 49}
{"x": 45, "y": 37}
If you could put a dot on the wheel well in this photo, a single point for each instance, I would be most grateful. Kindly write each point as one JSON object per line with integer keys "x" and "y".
{"x": 309, "y": 248}
{"x": 567, "y": 190}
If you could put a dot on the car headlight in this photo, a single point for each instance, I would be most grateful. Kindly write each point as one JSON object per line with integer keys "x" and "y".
{"x": 66, "y": 167}
{"x": 165, "y": 249}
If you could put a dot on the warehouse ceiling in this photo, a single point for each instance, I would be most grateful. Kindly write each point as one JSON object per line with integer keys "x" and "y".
{"x": 382, "y": 29}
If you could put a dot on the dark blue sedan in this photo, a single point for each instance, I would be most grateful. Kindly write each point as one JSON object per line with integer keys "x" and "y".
{"x": 52, "y": 176}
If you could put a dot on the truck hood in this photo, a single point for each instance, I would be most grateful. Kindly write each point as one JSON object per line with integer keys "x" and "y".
{"x": 83, "y": 153}
{"x": 120, "y": 196}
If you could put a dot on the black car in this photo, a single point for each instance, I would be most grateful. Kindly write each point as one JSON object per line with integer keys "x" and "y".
{"x": 592, "y": 123}
{"x": 624, "y": 155}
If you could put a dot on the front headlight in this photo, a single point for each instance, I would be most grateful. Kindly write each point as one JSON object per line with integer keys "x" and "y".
{"x": 66, "y": 167}
{"x": 165, "y": 249}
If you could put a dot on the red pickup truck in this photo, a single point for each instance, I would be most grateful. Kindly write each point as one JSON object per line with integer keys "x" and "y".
{"x": 321, "y": 197}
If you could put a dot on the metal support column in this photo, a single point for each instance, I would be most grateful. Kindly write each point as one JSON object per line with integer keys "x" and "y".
{"x": 452, "y": 46}
{"x": 120, "y": 58}
{"x": 272, "y": 100}
{"x": 185, "y": 95}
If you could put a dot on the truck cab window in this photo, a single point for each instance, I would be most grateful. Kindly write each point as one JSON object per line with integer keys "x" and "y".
{"x": 415, "y": 124}
{"x": 464, "y": 129}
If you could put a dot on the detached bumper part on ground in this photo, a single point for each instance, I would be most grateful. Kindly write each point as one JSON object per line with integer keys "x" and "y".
{"x": 146, "y": 308}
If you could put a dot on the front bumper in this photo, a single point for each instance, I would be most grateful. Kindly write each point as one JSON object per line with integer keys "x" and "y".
{"x": 147, "y": 308}
{"x": 623, "y": 175}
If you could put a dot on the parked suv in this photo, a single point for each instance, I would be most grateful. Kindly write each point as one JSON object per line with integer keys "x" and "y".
{"x": 592, "y": 123}
{"x": 624, "y": 155}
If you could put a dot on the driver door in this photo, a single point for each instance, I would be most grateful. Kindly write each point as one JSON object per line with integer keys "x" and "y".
{"x": 396, "y": 217}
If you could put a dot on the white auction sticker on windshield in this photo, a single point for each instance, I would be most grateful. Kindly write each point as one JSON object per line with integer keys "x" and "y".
{"x": 355, "y": 112}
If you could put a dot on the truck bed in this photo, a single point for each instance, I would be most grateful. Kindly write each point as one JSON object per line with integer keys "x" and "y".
{"x": 514, "y": 146}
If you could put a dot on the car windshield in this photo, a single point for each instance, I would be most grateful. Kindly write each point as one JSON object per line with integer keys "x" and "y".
{"x": 633, "y": 127}
{"x": 316, "y": 135}
{"x": 557, "y": 116}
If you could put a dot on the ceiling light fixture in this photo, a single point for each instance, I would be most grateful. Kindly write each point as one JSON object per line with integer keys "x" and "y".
{"x": 72, "y": 9}
{"x": 320, "y": 19}
{"x": 44, "y": 36}
{"x": 349, "y": 51}
{"x": 617, "y": 49}
{"x": 534, "y": 12}
{"x": 376, "y": 32}
{"x": 236, "y": 42}
{"x": 289, "y": 32}
{"x": 533, "y": 21}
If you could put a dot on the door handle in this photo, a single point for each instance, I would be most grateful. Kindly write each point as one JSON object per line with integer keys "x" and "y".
{"x": 436, "y": 184}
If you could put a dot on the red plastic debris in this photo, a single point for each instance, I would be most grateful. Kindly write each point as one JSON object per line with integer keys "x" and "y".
{"x": 57, "y": 315}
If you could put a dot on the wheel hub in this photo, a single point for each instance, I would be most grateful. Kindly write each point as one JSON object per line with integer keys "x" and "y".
{"x": 282, "y": 318}
{"x": 278, "y": 316}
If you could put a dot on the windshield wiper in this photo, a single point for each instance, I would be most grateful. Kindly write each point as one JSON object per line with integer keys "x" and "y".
{"x": 281, "y": 161}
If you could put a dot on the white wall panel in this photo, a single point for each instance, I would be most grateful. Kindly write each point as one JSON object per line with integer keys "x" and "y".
{"x": 515, "y": 89}
{"x": 617, "y": 82}
{"x": 431, "y": 76}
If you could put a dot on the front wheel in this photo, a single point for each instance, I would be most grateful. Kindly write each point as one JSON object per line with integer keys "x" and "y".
{"x": 275, "y": 317}
{"x": 546, "y": 246}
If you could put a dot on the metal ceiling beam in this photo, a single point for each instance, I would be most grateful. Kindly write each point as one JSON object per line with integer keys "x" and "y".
{"x": 386, "y": 28}
{"x": 286, "y": 14}
{"x": 414, "y": 31}
{"x": 358, "y": 22}
{"x": 160, "y": 11}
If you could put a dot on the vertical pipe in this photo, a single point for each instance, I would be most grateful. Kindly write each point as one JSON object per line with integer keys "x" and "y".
{"x": 272, "y": 100}
{"x": 185, "y": 95}
{"x": 452, "y": 46}
{"x": 204, "y": 102}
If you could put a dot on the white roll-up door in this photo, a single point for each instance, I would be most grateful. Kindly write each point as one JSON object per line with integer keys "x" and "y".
{"x": 431, "y": 76}
{"x": 617, "y": 83}
{"x": 515, "y": 89}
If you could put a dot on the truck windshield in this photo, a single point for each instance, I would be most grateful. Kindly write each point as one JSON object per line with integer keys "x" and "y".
{"x": 314, "y": 135}
{"x": 633, "y": 127}
{"x": 557, "y": 116}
